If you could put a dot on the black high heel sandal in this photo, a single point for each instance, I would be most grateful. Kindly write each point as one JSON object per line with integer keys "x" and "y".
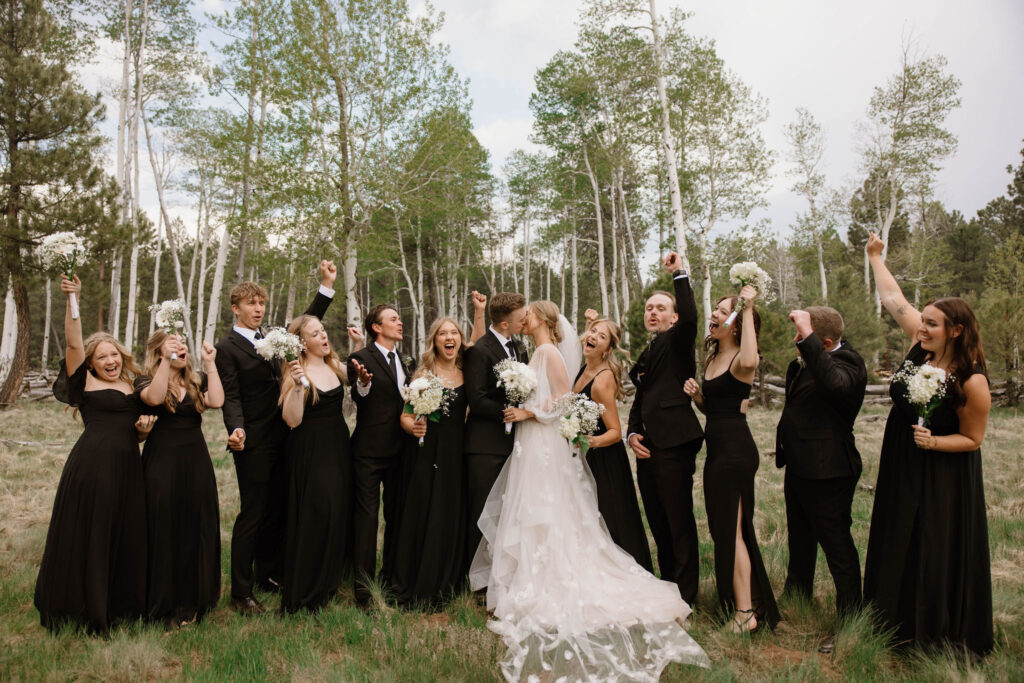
{"x": 739, "y": 627}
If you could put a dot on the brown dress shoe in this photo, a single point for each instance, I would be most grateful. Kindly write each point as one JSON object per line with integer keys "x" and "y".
{"x": 247, "y": 606}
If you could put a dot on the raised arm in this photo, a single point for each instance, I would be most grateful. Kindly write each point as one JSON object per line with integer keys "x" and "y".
{"x": 748, "y": 358}
{"x": 324, "y": 295}
{"x": 889, "y": 290}
{"x": 155, "y": 393}
{"x": 214, "y": 396}
{"x": 479, "y": 317}
{"x": 684, "y": 332}
{"x": 74, "y": 352}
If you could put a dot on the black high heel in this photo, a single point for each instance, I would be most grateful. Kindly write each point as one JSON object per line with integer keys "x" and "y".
{"x": 739, "y": 627}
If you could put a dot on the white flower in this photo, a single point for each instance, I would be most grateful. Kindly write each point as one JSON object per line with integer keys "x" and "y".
{"x": 749, "y": 273}
{"x": 278, "y": 344}
{"x": 579, "y": 416}
{"x": 926, "y": 386}
{"x": 169, "y": 315}
{"x": 62, "y": 251}
{"x": 517, "y": 379}
{"x": 426, "y": 395}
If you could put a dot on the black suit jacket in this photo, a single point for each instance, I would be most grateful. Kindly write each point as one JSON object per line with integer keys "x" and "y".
{"x": 252, "y": 386}
{"x": 485, "y": 427}
{"x": 378, "y": 432}
{"x": 815, "y": 434}
{"x": 661, "y": 410}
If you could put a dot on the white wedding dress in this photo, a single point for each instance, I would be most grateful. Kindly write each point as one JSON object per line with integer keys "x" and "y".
{"x": 569, "y": 604}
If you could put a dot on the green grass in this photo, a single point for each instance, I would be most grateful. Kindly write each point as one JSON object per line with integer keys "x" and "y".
{"x": 343, "y": 643}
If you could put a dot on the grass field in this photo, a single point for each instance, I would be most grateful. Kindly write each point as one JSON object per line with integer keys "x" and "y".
{"x": 343, "y": 643}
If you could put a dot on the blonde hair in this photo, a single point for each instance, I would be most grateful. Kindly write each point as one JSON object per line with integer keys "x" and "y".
{"x": 128, "y": 368}
{"x": 547, "y": 312}
{"x": 612, "y": 357}
{"x": 428, "y": 361}
{"x": 332, "y": 361}
{"x": 189, "y": 377}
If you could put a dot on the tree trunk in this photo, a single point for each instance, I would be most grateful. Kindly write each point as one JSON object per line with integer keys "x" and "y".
{"x": 218, "y": 284}
{"x": 9, "y": 339}
{"x": 247, "y": 159}
{"x": 821, "y": 273}
{"x": 352, "y": 312}
{"x": 130, "y": 329}
{"x": 615, "y": 255}
{"x": 705, "y": 272}
{"x": 46, "y": 323}
{"x": 575, "y": 284}
{"x": 629, "y": 233}
{"x": 565, "y": 257}
{"x": 114, "y": 315}
{"x": 601, "y": 275}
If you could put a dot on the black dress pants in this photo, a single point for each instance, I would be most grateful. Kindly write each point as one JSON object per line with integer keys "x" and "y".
{"x": 370, "y": 473}
{"x": 482, "y": 470}
{"x": 257, "y": 538}
{"x": 666, "y": 487}
{"x": 818, "y": 513}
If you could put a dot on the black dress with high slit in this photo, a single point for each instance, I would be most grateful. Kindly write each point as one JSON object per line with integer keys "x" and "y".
{"x": 183, "y": 516}
{"x": 729, "y": 468}
{"x": 927, "y": 571}
{"x": 616, "y": 492}
{"x": 319, "y": 522}
{"x": 93, "y": 572}
{"x": 429, "y": 556}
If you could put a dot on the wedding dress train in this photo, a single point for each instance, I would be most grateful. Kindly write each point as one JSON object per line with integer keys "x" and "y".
{"x": 569, "y": 604}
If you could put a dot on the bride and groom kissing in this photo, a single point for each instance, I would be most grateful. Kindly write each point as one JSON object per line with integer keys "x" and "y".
{"x": 565, "y": 598}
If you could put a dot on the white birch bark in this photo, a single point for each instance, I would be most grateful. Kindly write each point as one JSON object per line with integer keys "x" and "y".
{"x": 601, "y": 275}
{"x": 8, "y": 341}
{"x": 218, "y": 284}
{"x": 46, "y": 323}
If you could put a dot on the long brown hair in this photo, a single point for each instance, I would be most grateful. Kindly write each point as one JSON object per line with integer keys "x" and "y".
{"x": 966, "y": 346}
{"x": 711, "y": 344}
{"x": 128, "y": 368}
{"x": 332, "y": 361}
{"x": 428, "y": 361}
{"x": 612, "y": 357}
{"x": 189, "y": 377}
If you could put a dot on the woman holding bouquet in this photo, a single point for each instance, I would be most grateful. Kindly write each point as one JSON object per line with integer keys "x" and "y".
{"x": 600, "y": 380}
{"x": 319, "y": 517}
{"x": 429, "y": 559}
{"x": 183, "y": 515}
{"x": 93, "y": 572}
{"x": 744, "y": 591}
{"x": 927, "y": 569}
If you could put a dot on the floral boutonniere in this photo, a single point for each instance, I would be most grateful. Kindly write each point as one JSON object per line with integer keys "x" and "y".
{"x": 406, "y": 361}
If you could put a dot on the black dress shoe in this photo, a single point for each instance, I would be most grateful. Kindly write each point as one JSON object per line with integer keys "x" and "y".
{"x": 270, "y": 585}
{"x": 247, "y": 606}
{"x": 828, "y": 646}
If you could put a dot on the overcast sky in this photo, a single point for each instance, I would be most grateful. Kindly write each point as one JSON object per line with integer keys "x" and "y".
{"x": 819, "y": 54}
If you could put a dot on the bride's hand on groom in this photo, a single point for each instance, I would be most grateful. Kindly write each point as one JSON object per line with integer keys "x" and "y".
{"x": 516, "y": 415}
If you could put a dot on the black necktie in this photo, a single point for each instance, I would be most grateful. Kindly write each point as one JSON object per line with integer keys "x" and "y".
{"x": 259, "y": 334}
{"x": 511, "y": 349}
{"x": 391, "y": 364}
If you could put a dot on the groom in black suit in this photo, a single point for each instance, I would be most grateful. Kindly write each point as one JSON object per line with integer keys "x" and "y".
{"x": 664, "y": 432}
{"x": 814, "y": 442}
{"x": 487, "y": 445}
{"x": 377, "y": 373}
{"x": 256, "y": 435}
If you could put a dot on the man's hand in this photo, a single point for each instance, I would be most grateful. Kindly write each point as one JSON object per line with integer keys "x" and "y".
{"x": 364, "y": 376}
{"x": 802, "y": 321}
{"x": 236, "y": 441}
{"x": 672, "y": 262}
{"x": 356, "y": 335}
{"x": 328, "y": 274}
{"x": 638, "y": 448}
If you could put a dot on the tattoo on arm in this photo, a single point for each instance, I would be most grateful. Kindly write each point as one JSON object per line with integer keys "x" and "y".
{"x": 901, "y": 310}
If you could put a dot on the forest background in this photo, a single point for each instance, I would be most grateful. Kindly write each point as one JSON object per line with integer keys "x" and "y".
{"x": 278, "y": 133}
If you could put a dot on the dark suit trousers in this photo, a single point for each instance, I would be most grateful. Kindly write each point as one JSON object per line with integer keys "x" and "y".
{"x": 666, "y": 487}
{"x": 482, "y": 469}
{"x": 257, "y": 538}
{"x": 818, "y": 512}
{"x": 370, "y": 474}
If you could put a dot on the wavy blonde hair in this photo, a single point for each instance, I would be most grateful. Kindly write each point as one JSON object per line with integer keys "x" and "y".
{"x": 332, "y": 361}
{"x": 189, "y": 377}
{"x": 428, "y": 361}
{"x": 547, "y": 311}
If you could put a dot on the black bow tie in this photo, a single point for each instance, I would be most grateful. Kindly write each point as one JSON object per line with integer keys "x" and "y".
{"x": 259, "y": 334}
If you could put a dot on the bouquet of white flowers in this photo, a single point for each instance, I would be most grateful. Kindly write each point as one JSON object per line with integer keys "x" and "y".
{"x": 518, "y": 380}
{"x": 579, "y": 420}
{"x": 170, "y": 317}
{"x": 426, "y": 396}
{"x": 63, "y": 251}
{"x": 749, "y": 273}
{"x": 926, "y": 387}
{"x": 279, "y": 344}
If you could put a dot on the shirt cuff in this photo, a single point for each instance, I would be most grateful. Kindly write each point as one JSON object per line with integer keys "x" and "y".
{"x": 326, "y": 291}
{"x": 363, "y": 390}
{"x": 681, "y": 276}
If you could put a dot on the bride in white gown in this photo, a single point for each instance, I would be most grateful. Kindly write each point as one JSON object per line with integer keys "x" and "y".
{"x": 568, "y": 603}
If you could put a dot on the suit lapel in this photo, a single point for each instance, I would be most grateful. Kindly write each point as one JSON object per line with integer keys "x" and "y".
{"x": 382, "y": 366}
{"x": 245, "y": 345}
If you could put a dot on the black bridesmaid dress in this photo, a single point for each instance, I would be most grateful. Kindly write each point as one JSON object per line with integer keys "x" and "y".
{"x": 183, "y": 515}
{"x": 93, "y": 572}
{"x": 729, "y": 468}
{"x": 616, "y": 492}
{"x": 927, "y": 570}
{"x": 430, "y": 546}
{"x": 319, "y": 523}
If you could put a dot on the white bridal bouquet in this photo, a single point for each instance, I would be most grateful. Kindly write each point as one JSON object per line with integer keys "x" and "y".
{"x": 426, "y": 396}
{"x": 926, "y": 387}
{"x": 170, "y": 317}
{"x": 579, "y": 420}
{"x": 749, "y": 273}
{"x": 279, "y": 344}
{"x": 63, "y": 251}
{"x": 518, "y": 380}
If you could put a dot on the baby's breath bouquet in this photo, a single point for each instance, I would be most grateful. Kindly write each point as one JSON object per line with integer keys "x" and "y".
{"x": 579, "y": 420}
{"x": 749, "y": 273}
{"x": 426, "y": 396}
{"x": 926, "y": 387}
{"x": 518, "y": 380}
{"x": 279, "y": 344}
{"x": 170, "y": 317}
{"x": 63, "y": 251}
